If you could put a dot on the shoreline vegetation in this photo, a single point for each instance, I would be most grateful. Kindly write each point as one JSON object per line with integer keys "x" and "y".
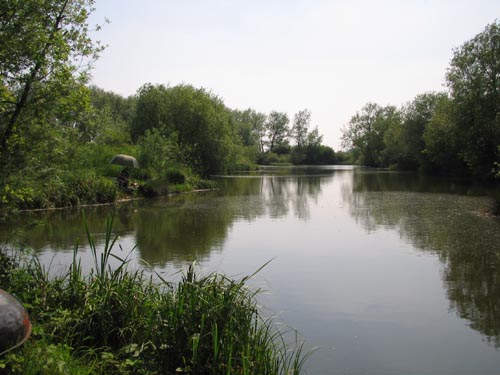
{"x": 452, "y": 133}
{"x": 117, "y": 201}
{"x": 115, "y": 320}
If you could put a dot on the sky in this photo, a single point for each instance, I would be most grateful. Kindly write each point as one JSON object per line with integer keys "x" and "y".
{"x": 331, "y": 57}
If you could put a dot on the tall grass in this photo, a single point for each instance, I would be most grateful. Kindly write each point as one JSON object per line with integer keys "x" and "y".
{"x": 119, "y": 320}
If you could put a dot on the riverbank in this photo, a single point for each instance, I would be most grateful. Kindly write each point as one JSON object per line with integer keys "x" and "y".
{"x": 118, "y": 320}
{"x": 90, "y": 189}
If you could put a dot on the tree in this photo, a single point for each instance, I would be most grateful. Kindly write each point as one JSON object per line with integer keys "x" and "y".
{"x": 44, "y": 43}
{"x": 152, "y": 105}
{"x": 200, "y": 121}
{"x": 300, "y": 128}
{"x": 250, "y": 127}
{"x": 308, "y": 149}
{"x": 364, "y": 134}
{"x": 157, "y": 153}
{"x": 442, "y": 142}
{"x": 404, "y": 143}
{"x": 474, "y": 81}
{"x": 314, "y": 138}
{"x": 277, "y": 130}
{"x": 121, "y": 108}
{"x": 108, "y": 119}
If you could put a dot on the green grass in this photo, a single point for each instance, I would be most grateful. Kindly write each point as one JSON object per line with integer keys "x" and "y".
{"x": 121, "y": 321}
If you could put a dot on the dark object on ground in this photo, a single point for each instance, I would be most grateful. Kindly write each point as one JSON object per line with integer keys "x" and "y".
{"x": 15, "y": 326}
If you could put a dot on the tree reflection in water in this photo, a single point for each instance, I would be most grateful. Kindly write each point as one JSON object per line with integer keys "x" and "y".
{"x": 431, "y": 215}
{"x": 178, "y": 229}
{"x": 196, "y": 226}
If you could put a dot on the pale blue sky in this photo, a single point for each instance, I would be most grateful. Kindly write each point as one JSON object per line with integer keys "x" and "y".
{"x": 331, "y": 57}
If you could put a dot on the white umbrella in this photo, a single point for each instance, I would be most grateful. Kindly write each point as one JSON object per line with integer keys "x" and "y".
{"x": 125, "y": 160}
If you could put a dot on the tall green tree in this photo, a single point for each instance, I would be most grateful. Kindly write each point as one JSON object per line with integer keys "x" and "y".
{"x": 474, "y": 81}
{"x": 300, "y": 127}
{"x": 45, "y": 54}
{"x": 277, "y": 130}
{"x": 250, "y": 127}
{"x": 443, "y": 145}
{"x": 108, "y": 119}
{"x": 404, "y": 142}
{"x": 152, "y": 106}
{"x": 364, "y": 134}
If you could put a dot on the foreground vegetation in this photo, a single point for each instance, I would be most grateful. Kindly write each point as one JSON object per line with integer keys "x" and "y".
{"x": 118, "y": 321}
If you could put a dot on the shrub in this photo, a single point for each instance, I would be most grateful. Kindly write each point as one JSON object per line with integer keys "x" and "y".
{"x": 54, "y": 188}
{"x": 175, "y": 176}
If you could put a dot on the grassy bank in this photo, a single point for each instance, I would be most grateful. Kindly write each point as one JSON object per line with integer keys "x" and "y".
{"x": 86, "y": 187}
{"x": 120, "y": 321}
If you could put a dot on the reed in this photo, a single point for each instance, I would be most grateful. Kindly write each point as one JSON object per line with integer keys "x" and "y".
{"x": 123, "y": 321}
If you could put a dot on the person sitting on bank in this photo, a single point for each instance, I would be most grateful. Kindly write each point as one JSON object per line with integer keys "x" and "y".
{"x": 122, "y": 179}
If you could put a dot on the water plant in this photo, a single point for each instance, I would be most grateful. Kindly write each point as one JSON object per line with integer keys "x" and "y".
{"x": 117, "y": 320}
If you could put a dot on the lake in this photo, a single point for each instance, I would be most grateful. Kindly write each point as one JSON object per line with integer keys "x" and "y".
{"x": 383, "y": 272}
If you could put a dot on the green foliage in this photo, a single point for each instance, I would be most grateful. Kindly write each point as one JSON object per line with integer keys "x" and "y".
{"x": 404, "y": 141}
{"x": 42, "y": 43}
{"x": 46, "y": 114}
{"x": 56, "y": 188}
{"x": 250, "y": 133}
{"x": 473, "y": 79}
{"x": 151, "y": 109}
{"x": 114, "y": 320}
{"x": 313, "y": 154}
{"x": 42, "y": 358}
{"x": 365, "y": 133}
{"x": 96, "y": 157}
{"x": 442, "y": 144}
{"x": 271, "y": 158}
{"x": 277, "y": 131}
{"x": 300, "y": 128}
{"x": 107, "y": 120}
{"x": 308, "y": 147}
{"x": 199, "y": 119}
{"x": 250, "y": 128}
{"x": 319, "y": 154}
{"x": 453, "y": 134}
{"x": 158, "y": 153}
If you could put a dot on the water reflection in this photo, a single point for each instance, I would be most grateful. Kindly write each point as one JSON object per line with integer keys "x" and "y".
{"x": 179, "y": 229}
{"x": 348, "y": 289}
{"x": 60, "y": 230}
{"x": 452, "y": 226}
{"x": 188, "y": 230}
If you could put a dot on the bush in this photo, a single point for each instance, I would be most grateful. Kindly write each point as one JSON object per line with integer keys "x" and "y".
{"x": 270, "y": 158}
{"x": 175, "y": 176}
{"x": 157, "y": 153}
{"x": 154, "y": 188}
{"x": 54, "y": 188}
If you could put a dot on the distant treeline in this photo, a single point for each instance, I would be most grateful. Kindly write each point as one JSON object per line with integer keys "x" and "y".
{"x": 185, "y": 125}
{"x": 455, "y": 132}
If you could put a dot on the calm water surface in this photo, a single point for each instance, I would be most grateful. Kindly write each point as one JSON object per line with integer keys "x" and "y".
{"x": 387, "y": 273}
